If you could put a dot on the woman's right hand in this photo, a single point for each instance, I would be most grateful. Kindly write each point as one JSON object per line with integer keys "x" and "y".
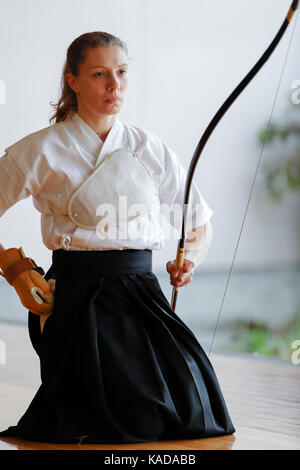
{"x": 45, "y": 316}
{"x": 51, "y": 282}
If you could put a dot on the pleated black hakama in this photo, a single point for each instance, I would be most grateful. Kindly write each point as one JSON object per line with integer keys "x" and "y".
{"x": 117, "y": 364}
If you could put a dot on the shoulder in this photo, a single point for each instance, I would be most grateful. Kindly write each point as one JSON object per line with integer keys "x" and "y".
{"x": 160, "y": 159}
{"x": 148, "y": 140}
{"x": 37, "y": 139}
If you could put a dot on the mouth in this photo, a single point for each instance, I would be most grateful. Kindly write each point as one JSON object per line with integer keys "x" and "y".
{"x": 113, "y": 100}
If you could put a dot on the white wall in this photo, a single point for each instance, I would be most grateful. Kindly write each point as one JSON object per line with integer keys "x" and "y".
{"x": 187, "y": 58}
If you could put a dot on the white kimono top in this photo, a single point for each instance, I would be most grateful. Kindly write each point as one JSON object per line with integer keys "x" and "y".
{"x": 52, "y": 163}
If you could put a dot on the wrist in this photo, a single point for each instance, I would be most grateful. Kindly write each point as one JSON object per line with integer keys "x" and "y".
{"x": 193, "y": 256}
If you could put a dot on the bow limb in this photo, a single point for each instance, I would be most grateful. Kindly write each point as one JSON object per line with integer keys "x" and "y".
{"x": 210, "y": 128}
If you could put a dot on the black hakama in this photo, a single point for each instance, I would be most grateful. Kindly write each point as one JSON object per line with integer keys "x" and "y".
{"x": 117, "y": 364}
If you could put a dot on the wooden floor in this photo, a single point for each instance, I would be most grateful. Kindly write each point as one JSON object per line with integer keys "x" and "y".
{"x": 262, "y": 395}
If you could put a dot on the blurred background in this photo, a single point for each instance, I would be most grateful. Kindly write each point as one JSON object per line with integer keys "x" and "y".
{"x": 187, "y": 57}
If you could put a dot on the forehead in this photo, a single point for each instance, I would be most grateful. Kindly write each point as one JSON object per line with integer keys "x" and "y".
{"x": 110, "y": 56}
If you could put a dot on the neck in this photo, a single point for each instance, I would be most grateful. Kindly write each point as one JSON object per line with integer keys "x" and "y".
{"x": 101, "y": 124}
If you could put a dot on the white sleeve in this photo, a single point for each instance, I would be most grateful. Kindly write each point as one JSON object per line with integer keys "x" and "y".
{"x": 171, "y": 193}
{"x": 14, "y": 184}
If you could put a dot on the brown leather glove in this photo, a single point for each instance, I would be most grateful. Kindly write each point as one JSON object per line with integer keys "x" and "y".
{"x": 27, "y": 278}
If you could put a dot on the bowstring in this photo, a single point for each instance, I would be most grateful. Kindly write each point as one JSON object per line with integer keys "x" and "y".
{"x": 254, "y": 179}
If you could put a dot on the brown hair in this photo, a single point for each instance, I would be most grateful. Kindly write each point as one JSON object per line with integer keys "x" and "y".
{"x": 67, "y": 103}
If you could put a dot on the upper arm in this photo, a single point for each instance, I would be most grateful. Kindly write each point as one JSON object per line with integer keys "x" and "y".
{"x": 172, "y": 188}
{"x": 14, "y": 184}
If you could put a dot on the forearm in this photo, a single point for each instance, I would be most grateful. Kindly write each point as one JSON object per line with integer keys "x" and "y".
{"x": 197, "y": 243}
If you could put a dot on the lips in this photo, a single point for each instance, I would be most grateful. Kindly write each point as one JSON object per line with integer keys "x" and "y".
{"x": 115, "y": 99}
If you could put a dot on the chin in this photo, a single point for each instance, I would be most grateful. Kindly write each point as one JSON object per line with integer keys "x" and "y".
{"x": 113, "y": 110}
{"x": 106, "y": 112}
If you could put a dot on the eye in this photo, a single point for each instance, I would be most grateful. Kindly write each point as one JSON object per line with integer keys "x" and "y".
{"x": 100, "y": 74}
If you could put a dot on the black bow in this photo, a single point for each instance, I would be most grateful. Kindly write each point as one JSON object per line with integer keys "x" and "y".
{"x": 210, "y": 128}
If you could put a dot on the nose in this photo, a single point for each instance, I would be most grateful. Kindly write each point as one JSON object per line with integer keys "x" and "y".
{"x": 113, "y": 82}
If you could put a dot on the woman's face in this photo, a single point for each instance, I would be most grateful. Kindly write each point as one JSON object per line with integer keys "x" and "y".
{"x": 102, "y": 77}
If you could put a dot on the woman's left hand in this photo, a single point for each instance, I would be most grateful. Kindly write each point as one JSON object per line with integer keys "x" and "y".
{"x": 182, "y": 276}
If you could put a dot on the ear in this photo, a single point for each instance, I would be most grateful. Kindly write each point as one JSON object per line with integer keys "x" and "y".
{"x": 72, "y": 82}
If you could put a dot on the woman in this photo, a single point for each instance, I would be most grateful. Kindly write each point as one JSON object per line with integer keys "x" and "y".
{"x": 117, "y": 364}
